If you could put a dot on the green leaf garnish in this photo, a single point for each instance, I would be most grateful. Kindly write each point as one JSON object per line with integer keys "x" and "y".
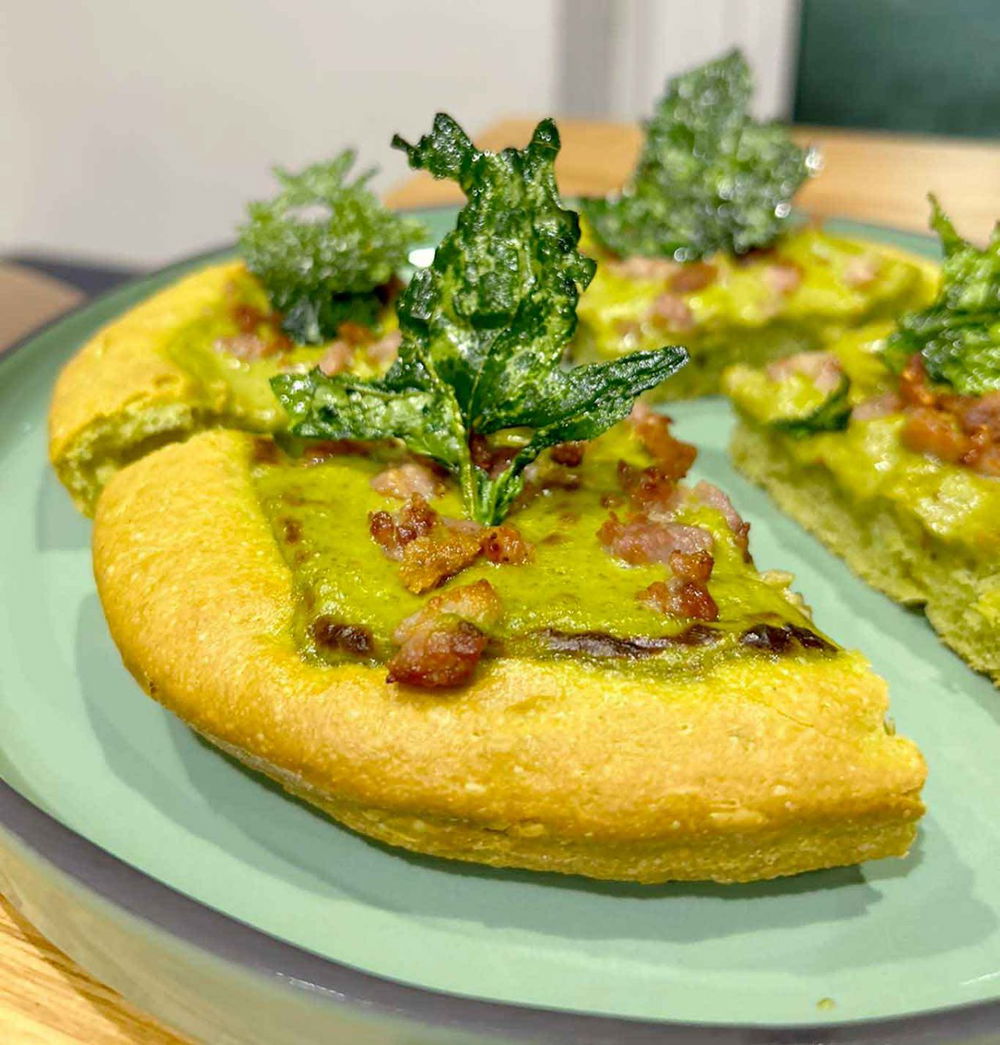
{"x": 958, "y": 336}
{"x": 321, "y": 271}
{"x": 832, "y": 415}
{"x": 484, "y": 331}
{"x": 709, "y": 177}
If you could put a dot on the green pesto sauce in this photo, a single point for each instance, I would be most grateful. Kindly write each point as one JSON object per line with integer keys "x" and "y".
{"x": 742, "y": 304}
{"x": 572, "y": 584}
{"x": 868, "y": 459}
{"x": 769, "y": 400}
{"x": 238, "y": 389}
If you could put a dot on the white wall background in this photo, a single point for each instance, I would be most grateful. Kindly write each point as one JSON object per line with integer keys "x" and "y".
{"x": 653, "y": 39}
{"x": 619, "y": 53}
{"x": 136, "y": 131}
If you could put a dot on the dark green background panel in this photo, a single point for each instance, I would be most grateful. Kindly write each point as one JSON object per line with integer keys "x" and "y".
{"x": 907, "y": 65}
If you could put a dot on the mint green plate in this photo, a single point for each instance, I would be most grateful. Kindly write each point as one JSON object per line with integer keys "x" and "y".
{"x": 296, "y": 929}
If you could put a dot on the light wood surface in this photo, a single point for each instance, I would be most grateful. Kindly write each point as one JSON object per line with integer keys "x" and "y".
{"x": 28, "y": 298}
{"x": 871, "y": 177}
{"x": 47, "y": 1000}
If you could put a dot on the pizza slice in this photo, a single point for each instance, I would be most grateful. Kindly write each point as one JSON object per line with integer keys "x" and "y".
{"x": 701, "y": 247}
{"x": 472, "y": 606}
{"x": 613, "y": 694}
{"x": 887, "y": 447}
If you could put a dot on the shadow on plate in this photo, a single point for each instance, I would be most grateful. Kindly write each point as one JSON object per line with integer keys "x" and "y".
{"x": 234, "y": 808}
{"x": 58, "y": 525}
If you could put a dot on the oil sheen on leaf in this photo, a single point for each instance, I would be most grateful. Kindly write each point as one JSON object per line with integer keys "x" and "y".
{"x": 484, "y": 331}
{"x": 959, "y": 334}
{"x": 709, "y": 177}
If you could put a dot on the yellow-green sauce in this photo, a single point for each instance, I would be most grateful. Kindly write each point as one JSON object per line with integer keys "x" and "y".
{"x": 868, "y": 459}
{"x": 239, "y": 388}
{"x": 573, "y": 584}
{"x": 740, "y": 317}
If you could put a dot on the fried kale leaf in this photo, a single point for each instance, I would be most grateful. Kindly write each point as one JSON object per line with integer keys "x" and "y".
{"x": 958, "y": 336}
{"x": 709, "y": 177}
{"x": 832, "y": 415}
{"x": 484, "y": 331}
{"x": 322, "y": 270}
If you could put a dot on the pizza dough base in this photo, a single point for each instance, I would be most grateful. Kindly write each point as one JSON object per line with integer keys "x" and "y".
{"x": 761, "y": 767}
{"x": 122, "y": 396}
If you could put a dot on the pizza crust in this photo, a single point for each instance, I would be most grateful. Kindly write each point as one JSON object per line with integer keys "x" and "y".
{"x": 760, "y": 768}
{"x": 121, "y": 395}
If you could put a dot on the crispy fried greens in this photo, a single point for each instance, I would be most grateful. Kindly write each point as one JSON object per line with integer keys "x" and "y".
{"x": 484, "y": 331}
{"x": 959, "y": 335}
{"x": 832, "y": 415}
{"x": 321, "y": 271}
{"x": 709, "y": 177}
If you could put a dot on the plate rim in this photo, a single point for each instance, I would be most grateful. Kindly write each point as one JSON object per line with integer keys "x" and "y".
{"x": 229, "y": 939}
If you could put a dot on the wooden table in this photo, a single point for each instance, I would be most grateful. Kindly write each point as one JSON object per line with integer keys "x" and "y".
{"x": 44, "y": 998}
{"x": 872, "y": 177}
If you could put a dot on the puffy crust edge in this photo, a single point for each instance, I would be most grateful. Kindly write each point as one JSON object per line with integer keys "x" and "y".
{"x": 758, "y": 769}
{"x": 120, "y": 395}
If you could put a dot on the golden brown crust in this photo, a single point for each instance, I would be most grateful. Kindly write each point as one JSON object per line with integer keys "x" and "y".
{"x": 761, "y": 768}
{"x": 121, "y": 394}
